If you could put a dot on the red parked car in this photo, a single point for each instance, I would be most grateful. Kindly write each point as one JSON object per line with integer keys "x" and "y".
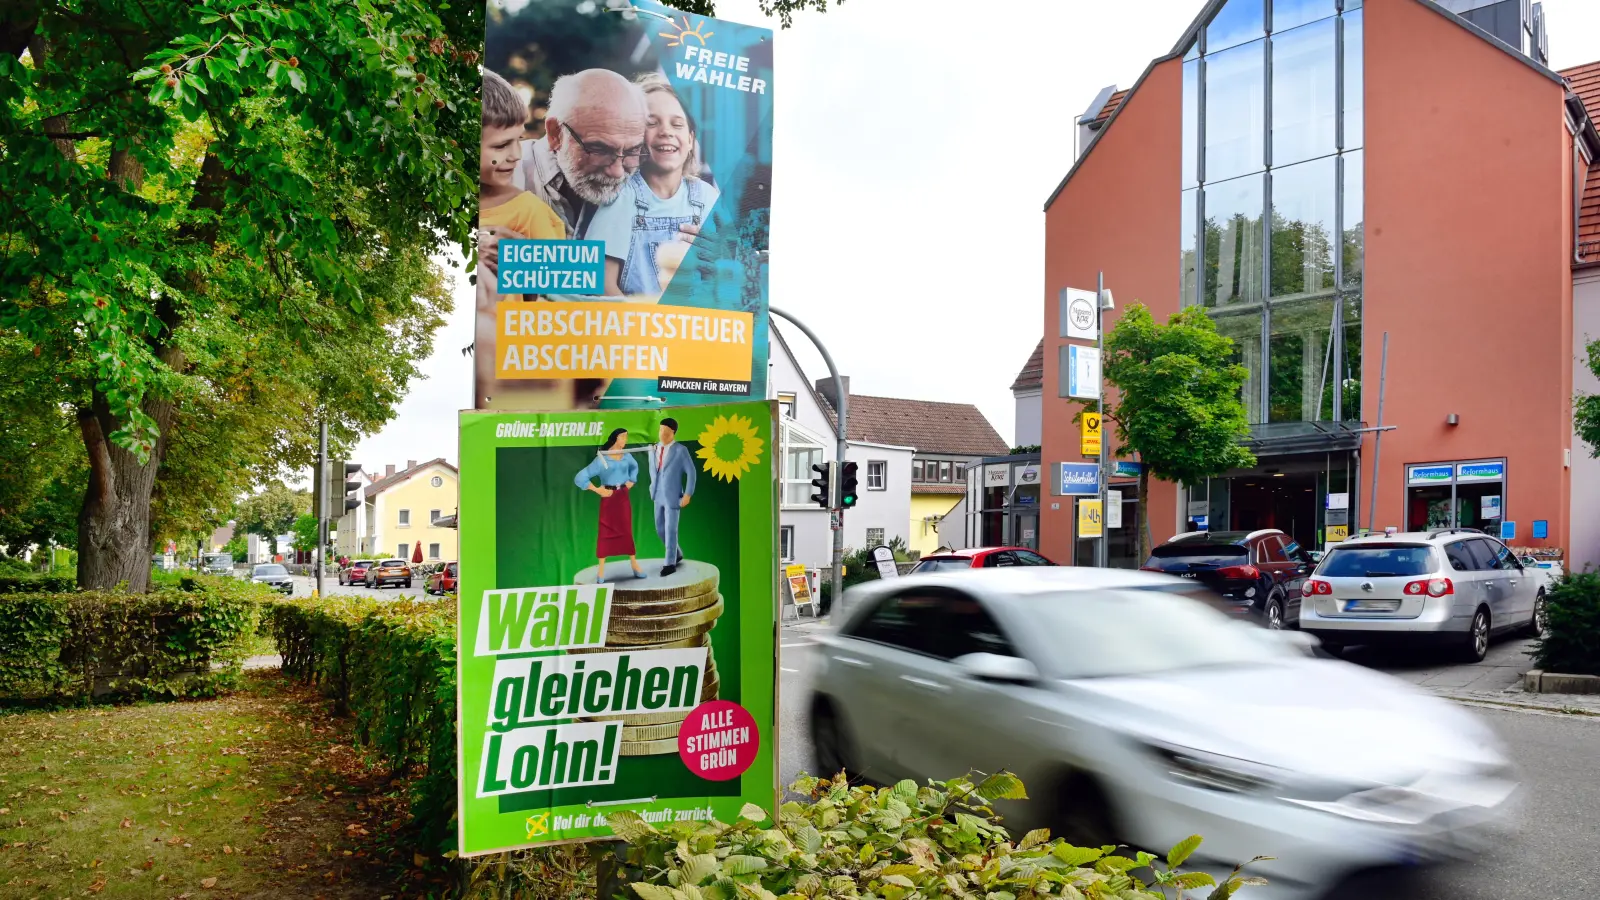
{"x": 355, "y": 573}
{"x": 979, "y": 558}
{"x": 442, "y": 581}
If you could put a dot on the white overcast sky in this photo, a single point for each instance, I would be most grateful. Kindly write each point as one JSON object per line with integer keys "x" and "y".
{"x": 921, "y": 270}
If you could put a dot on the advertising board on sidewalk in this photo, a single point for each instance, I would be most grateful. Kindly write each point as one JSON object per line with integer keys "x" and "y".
{"x": 617, "y": 628}
{"x": 625, "y": 194}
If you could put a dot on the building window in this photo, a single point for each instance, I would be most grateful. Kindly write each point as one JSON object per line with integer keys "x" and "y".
{"x": 1233, "y": 211}
{"x": 433, "y": 551}
{"x": 877, "y": 475}
{"x": 405, "y": 518}
{"x": 786, "y": 543}
{"x": 403, "y": 553}
{"x": 874, "y": 537}
{"x": 1304, "y": 89}
{"x": 1354, "y": 82}
{"x": 916, "y": 470}
{"x": 1235, "y": 111}
{"x": 433, "y": 517}
{"x": 945, "y": 472}
{"x": 1305, "y": 200}
{"x": 786, "y": 405}
{"x": 961, "y": 473}
{"x": 436, "y": 481}
{"x": 1236, "y": 22}
{"x": 800, "y": 454}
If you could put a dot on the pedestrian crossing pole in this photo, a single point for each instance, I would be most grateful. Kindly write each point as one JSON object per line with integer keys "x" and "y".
{"x": 323, "y": 503}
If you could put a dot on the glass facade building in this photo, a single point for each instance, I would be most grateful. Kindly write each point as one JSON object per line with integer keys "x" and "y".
{"x": 1271, "y": 238}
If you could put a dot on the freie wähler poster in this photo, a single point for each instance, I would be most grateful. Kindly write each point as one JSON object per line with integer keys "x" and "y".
{"x": 625, "y": 175}
{"x": 617, "y": 628}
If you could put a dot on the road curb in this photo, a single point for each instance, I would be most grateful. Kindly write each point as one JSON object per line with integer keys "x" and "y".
{"x": 1551, "y": 708}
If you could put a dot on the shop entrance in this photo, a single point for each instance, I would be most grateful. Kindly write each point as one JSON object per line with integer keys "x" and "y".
{"x": 1285, "y": 502}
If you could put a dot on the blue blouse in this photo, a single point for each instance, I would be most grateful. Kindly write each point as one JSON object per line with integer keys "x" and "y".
{"x": 612, "y": 473}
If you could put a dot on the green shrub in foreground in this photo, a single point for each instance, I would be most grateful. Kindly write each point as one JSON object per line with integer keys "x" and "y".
{"x": 173, "y": 642}
{"x": 1571, "y": 642}
{"x": 937, "y": 840}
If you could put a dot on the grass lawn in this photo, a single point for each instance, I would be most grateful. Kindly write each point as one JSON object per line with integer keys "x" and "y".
{"x": 257, "y": 795}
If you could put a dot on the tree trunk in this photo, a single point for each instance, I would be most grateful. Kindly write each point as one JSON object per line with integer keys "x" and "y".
{"x": 114, "y": 543}
{"x": 1144, "y": 513}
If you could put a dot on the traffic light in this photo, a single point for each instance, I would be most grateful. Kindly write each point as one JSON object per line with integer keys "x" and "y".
{"x": 847, "y": 485}
{"x": 340, "y": 487}
{"x": 823, "y": 495}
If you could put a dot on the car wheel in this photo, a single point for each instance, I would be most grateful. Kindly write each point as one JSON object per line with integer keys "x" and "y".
{"x": 1083, "y": 815}
{"x": 1475, "y": 644}
{"x": 408, "y": 584}
{"x": 1540, "y": 622}
{"x": 831, "y": 741}
{"x": 1274, "y": 613}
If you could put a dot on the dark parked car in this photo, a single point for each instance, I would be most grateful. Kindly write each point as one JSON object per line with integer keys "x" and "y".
{"x": 442, "y": 581}
{"x": 979, "y": 558}
{"x": 390, "y": 571}
{"x": 1256, "y": 573}
{"x": 355, "y": 573}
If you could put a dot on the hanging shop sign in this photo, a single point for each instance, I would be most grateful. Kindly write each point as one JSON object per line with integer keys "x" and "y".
{"x": 1077, "y": 478}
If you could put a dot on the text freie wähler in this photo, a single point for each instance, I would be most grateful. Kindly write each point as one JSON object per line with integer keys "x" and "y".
{"x": 531, "y": 744}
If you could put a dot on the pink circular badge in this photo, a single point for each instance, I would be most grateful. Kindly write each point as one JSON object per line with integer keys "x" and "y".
{"x": 719, "y": 740}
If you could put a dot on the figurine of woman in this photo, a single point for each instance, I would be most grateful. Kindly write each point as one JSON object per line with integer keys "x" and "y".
{"x": 617, "y": 471}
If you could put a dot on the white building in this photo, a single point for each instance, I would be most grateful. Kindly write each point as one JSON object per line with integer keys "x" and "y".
{"x": 808, "y": 437}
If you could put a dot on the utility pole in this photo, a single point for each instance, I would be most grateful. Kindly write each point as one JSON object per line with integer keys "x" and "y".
{"x": 1102, "y": 554}
{"x": 841, "y": 402}
{"x": 324, "y": 502}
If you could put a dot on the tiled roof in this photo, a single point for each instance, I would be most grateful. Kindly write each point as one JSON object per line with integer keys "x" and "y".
{"x": 1110, "y": 107}
{"x": 925, "y": 488}
{"x": 380, "y": 485}
{"x": 1031, "y": 378}
{"x": 928, "y": 425}
{"x": 1585, "y": 82}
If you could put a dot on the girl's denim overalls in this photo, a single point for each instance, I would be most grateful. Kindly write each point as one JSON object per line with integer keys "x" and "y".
{"x": 640, "y": 273}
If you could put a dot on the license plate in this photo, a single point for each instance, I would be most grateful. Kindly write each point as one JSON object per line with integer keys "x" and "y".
{"x": 1371, "y": 605}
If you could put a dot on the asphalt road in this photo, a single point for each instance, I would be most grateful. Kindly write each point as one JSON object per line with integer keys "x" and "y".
{"x": 1551, "y": 837}
{"x": 304, "y": 584}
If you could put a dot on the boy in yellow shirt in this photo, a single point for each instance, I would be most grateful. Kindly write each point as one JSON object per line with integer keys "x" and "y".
{"x": 502, "y": 207}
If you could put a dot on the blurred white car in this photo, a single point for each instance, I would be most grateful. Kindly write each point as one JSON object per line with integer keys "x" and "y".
{"x": 1146, "y": 716}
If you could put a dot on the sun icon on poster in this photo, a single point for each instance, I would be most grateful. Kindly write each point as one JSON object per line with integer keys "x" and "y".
{"x": 684, "y": 32}
{"x": 730, "y": 447}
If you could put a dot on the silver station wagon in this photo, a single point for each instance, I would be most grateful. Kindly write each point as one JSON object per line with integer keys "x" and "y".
{"x": 1455, "y": 587}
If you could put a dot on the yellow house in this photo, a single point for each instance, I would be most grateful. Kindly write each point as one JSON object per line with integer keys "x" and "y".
{"x": 400, "y": 509}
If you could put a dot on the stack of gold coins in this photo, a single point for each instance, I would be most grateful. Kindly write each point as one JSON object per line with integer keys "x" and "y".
{"x": 659, "y": 612}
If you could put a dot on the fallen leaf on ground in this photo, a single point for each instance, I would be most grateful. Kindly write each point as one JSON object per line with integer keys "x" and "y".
{"x": 208, "y": 883}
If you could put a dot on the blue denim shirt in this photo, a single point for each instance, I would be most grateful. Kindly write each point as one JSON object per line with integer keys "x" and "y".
{"x": 613, "y": 473}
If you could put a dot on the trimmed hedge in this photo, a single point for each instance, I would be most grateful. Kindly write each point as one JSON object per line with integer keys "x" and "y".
{"x": 1570, "y": 644}
{"x": 188, "y": 641}
{"x": 391, "y": 665}
{"x": 37, "y": 584}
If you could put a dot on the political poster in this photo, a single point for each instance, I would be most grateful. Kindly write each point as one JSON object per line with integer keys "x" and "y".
{"x": 625, "y": 177}
{"x": 617, "y": 620}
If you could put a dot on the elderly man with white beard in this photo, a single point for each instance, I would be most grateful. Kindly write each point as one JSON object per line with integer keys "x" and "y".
{"x": 594, "y": 137}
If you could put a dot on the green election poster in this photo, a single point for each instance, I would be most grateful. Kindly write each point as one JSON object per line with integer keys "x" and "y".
{"x": 617, "y": 643}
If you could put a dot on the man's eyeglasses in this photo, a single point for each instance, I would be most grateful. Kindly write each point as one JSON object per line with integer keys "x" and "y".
{"x": 605, "y": 153}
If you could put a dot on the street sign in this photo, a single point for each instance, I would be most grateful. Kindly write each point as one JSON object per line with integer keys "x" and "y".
{"x": 1337, "y": 533}
{"x": 1077, "y": 478}
{"x": 883, "y": 557}
{"x": 1080, "y": 320}
{"x": 1113, "y": 509}
{"x": 1082, "y": 372}
{"x": 1089, "y": 519}
{"x": 1091, "y": 434}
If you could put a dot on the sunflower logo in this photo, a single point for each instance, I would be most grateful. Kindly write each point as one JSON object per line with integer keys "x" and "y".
{"x": 729, "y": 447}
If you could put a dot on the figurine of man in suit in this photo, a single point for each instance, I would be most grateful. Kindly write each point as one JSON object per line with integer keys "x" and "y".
{"x": 671, "y": 484}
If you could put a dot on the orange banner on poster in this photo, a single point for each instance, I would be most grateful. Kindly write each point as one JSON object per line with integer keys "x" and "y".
{"x": 621, "y": 340}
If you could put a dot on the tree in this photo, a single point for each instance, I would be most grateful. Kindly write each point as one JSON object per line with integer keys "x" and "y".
{"x": 273, "y": 512}
{"x": 1177, "y": 400}
{"x": 305, "y": 532}
{"x": 1586, "y": 407}
{"x": 783, "y": 9}
{"x": 195, "y": 189}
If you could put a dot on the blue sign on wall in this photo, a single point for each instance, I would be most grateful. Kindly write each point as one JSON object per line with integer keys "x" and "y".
{"x": 1126, "y": 469}
{"x": 1429, "y": 474}
{"x": 1541, "y": 528}
{"x": 1508, "y": 531}
{"x": 1078, "y": 479}
{"x": 1491, "y": 471}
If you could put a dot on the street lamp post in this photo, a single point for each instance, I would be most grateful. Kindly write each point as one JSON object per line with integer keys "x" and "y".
{"x": 1102, "y": 302}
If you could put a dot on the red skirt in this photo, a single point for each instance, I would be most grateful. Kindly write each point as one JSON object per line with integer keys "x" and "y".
{"x": 616, "y": 525}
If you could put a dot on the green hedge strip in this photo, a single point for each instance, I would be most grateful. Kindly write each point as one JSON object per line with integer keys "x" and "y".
{"x": 392, "y": 666}
{"x": 188, "y": 641}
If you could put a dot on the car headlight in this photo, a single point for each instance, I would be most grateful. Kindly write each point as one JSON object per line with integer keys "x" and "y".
{"x": 1215, "y": 772}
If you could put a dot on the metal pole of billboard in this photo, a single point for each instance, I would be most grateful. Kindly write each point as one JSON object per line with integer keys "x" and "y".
{"x": 840, "y": 403}
{"x": 1101, "y": 550}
